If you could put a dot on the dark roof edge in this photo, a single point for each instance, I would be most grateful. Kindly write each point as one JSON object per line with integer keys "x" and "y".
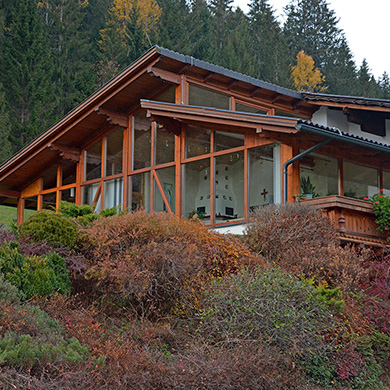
{"x": 226, "y": 72}
{"x": 360, "y": 100}
{"x": 341, "y": 136}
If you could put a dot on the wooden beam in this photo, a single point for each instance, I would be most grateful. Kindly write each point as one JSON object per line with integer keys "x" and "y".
{"x": 33, "y": 189}
{"x": 10, "y": 193}
{"x": 164, "y": 75}
{"x": 114, "y": 118}
{"x": 67, "y": 153}
{"x": 209, "y": 77}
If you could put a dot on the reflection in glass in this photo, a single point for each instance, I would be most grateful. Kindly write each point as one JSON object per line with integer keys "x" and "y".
{"x": 197, "y": 141}
{"x": 386, "y": 183}
{"x": 166, "y": 177}
{"x": 93, "y": 161}
{"x": 91, "y": 196}
{"x": 69, "y": 169}
{"x": 49, "y": 201}
{"x": 113, "y": 194}
{"x": 261, "y": 176}
{"x": 50, "y": 177}
{"x": 196, "y": 189}
{"x": 225, "y": 141}
{"x": 30, "y": 207}
{"x": 167, "y": 97}
{"x": 250, "y": 109}
{"x": 359, "y": 181}
{"x": 319, "y": 175}
{"x": 165, "y": 146}
{"x": 205, "y": 98}
{"x": 69, "y": 195}
{"x": 139, "y": 191}
{"x": 114, "y": 152}
{"x": 229, "y": 187}
{"x": 142, "y": 141}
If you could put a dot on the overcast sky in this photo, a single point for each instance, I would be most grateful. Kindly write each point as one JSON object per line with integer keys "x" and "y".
{"x": 366, "y": 25}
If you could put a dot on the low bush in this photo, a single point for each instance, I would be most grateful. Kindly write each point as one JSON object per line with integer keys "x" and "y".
{"x": 301, "y": 240}
{"x": 157, "y": 262}
{"x": 55, "y": 228}
{"x": 34, "y": 275}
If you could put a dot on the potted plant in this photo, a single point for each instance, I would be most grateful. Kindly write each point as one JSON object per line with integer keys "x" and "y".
{"x": 307, "y": 188}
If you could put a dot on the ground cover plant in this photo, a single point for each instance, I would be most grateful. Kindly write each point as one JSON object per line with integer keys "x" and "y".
{"x": 158, "y": 302}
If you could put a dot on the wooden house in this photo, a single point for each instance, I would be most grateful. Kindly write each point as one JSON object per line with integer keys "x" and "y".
{"x": 174, "y": 134}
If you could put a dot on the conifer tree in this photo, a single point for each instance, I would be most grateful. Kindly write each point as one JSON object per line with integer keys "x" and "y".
{"x": 269, "y": 45}
{"x": 26, "y": 72}
{"x": 384, "y": 83}
{"x": 366, "y": 85}
{"x": 5, "y": 127}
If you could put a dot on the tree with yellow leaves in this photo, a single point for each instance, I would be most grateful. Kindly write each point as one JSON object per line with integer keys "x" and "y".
{"x": 129, "y": 29}
{"x": 305, "y": 76}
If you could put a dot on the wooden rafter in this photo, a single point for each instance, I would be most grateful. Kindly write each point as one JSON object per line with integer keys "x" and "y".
{"x": 67, "y": 153}
{"x": 114, "y": 118}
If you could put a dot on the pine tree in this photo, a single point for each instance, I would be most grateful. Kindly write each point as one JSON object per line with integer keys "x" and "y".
{"x": 384, "y": 83}
{"x": 366, "y": 84}
{"x": 269, "y": 45}
{"x": 306, "y": 77}
{"x": 312, "y": 26}
{"x": 26, "y": 72}
{"x": 5, "y": 127}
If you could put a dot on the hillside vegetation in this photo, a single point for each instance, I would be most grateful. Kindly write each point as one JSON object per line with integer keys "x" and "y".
{"x": 151, "y": 301}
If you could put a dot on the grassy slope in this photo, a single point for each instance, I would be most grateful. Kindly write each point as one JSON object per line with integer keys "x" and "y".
{"x": 7, "y": 214}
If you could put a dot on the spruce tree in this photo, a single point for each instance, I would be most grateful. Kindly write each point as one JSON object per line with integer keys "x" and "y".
{"x": 269, "y": 45}
{"x": 384, "y": 83}
{"x": 366, "y": 85}
{"x": 5, "y": 127}
{"x": 26, "y": 72}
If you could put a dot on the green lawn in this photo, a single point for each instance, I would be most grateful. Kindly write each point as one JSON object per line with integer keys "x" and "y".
{"x": 8, "y": 214}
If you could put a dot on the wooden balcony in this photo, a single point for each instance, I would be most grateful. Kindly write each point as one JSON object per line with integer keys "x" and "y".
{"x": 354, "y": 218}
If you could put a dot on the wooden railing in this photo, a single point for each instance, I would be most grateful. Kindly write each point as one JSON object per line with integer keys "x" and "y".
{"x": 354, "y": 218}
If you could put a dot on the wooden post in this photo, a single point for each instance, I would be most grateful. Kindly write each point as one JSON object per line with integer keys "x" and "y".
{"x": 20, "y": 211}
{"x": 286, "y": 153}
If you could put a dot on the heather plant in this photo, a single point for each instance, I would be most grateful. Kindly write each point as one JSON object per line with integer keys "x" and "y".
{"x": 157, "y": 263}
{"x": 55, "y": 228}
{"x": 301, "y": 240}
{"x": 34, "y": 275}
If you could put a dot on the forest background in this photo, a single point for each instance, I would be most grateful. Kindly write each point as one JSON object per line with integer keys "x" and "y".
{"x": 55, "y": 53}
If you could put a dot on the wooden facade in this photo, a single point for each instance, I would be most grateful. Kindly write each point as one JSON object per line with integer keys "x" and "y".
{"x": 174, "y": 134}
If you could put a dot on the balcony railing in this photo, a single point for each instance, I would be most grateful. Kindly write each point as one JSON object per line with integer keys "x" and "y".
{"x": 354, "y": 218}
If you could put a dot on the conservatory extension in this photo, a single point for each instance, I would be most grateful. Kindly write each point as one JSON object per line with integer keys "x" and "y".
{"x": 177, "y": 135}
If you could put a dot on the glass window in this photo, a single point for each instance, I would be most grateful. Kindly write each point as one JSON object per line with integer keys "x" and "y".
{"x": 49, "y": 201}
{"x": 139, "y": 191}
{"x": 30, "y": 207}
{"x": 91, "y": 195}
{"x": 250, "y": 109}
{"x": 197, "y": 141}
{"x": 205, "y": 98}
{"x": 196, "y": 189}
{"x": 142, "y": 141}
{"x": 168, "y": 96}
{"x": 165, "y": 146}
{"x": 360, "y": 181}
{"x": 50, "y": 177}
{"x": 225, "y": 141}
{"x": 69, "y": 169}
{"x": 114, "y": 152}
{"x": 166, "y": 177}
{"x": 229, "y": 187}
{"x": 113, "y": 194}
{"x": 261, "y": 178}
{"x": 93, "y": 162}
{"x": 386, "y": 183}
{"x": 69, "y": 195}
{"x": 319, "y": 176}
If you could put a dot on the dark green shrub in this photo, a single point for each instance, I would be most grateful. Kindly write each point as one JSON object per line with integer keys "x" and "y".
{"x": 34, "y": 275}
{"x": 46, "y": 225}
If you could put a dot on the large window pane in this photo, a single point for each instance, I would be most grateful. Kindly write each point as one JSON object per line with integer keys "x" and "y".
{"x": 139, "y": 191}
{"x": 49, "y": 201}
{"x": 229, "y": 187}
{"x": 386, "y": 183}
{"x": 69, "y": 195}
{"x": 360, "y": 181}
{"x": 50, "y": 177}
{"x": 196, "y": 189}
{"x": 69, "y": 169}
{"x": 166, "y": 177}
{"x": 261, "y": 178}
{"x": 142, "y": 141}
{"x": 113, "y": 194}
{"x": 90, "y": 196}
{"x": 167, "y": 97}
{"x": 30, "y": 207}
{"x": 93, "y": 162}
{"x": 114, "y": 152}
{"x": 206, "y": 98}
{"x": 225, "y": 141}
{"x": 319, "y": 175}
{"x": 165, "y": 146}
{"x": 197, "y": 141}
